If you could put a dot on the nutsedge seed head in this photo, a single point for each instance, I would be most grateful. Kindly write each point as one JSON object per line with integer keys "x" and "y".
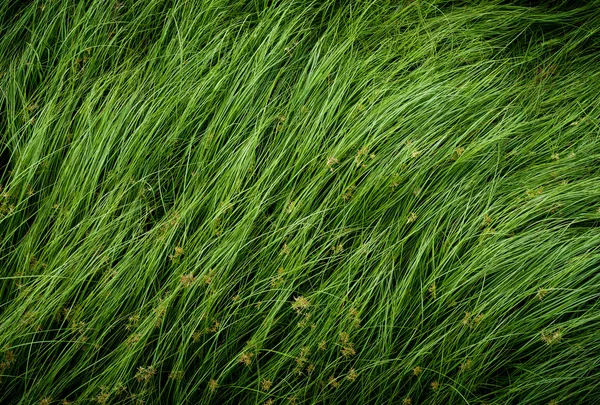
{"x": 208, "y": 277}
{"x": 541, "y": 293}
{"x": 466, "y": 365}
{"x": 103, "y": 396}
{"x": 145, "y": 373}
{"x": 213, "y": 385}
{"x": 187, "y": 280}
{"x": 433, "y": 290}
{"x": 348, "y": 350}
{"x": 467, "y": 319}
{"x": 246, "y": 358}
{"x": 478, "y": 319}
{"x": 332, "y": 161}
{"x": 266, "y": 385}
{"x": 487, "y": 220}
{"x": 300, "y": 304}
{"x": 412, "y": 217}
{"x": 339, "y": 248}
{"x": 551, "y": 338}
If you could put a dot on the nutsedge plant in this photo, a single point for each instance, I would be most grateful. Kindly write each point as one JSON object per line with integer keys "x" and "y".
{"x": 270, "y": 202}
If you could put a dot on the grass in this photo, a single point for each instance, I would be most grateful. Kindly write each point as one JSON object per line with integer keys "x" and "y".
{"x": 226, "y": 202}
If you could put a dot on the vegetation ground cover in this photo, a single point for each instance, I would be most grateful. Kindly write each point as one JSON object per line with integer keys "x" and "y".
{"x": 303, "y": 202}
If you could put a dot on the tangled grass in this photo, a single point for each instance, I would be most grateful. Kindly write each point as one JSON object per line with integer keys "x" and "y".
{"x": 212, "y": 201}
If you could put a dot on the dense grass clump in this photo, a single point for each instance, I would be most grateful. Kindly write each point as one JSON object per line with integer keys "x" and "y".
{"x": 292, "y": 201}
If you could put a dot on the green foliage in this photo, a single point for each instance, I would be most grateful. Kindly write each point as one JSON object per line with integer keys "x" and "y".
{"x": 213, "y": 201}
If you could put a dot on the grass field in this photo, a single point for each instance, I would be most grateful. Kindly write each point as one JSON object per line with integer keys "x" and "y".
{"x": 303, "y": 202}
